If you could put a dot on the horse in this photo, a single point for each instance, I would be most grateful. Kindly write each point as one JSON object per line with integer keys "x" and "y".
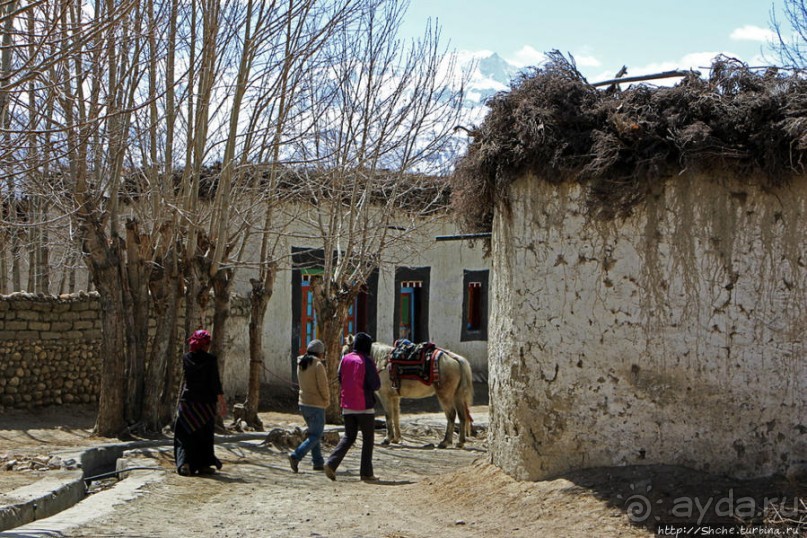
{"x": 454, "y": 391}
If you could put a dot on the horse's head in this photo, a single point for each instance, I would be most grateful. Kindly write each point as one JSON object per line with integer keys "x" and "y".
{"x": 380, "y": 351}
{"x": 348, "y": 345}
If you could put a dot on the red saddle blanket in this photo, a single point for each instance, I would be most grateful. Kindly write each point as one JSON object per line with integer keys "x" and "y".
{"x": 414, "y": 361}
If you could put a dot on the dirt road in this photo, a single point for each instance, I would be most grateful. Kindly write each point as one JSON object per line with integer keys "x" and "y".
{"x": 424, "y": 491}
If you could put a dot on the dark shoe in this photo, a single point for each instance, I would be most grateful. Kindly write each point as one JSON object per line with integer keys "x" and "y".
{"x": 370, "y": 478}
{"x": 319, "y": 467}
{"x": 218, "y": 465}
{"x": 329, "y": 472}
{"x": 207, "y": 470}
{"x": 184, "y": 470}
{"x": 293, "y": 463}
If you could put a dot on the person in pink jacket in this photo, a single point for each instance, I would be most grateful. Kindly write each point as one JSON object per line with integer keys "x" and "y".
{"x": 359, "y": 380}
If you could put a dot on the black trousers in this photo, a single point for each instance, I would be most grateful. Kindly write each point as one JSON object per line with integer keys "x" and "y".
{"x": 353, "y": 424}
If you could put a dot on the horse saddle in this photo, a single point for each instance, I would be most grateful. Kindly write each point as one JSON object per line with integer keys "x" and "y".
{"x": 413, "y": 361}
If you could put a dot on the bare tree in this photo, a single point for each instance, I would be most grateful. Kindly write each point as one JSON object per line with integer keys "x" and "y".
{"x": 83, "y": 66}
{"x": 300, "y": 30}
{"x": 268, "y": 43}
{"x": 791, "y": 45}
{"x": 381, "y": 110}
{"x": 113, "y": 114}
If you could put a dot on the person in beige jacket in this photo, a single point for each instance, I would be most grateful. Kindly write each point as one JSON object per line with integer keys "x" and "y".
{"x": 314, "y": 398}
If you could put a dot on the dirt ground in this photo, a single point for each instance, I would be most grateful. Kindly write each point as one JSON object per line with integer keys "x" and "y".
{"x": 423, "y": 491}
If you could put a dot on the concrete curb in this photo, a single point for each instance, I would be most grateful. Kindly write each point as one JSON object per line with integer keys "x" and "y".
{"x": 42, "y": 499}
{"x": 53, "y": 494}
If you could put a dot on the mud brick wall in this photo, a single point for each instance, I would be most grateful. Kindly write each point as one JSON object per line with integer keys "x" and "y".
{"x": 49, "y": 349}
{"x": 673, "y": 336}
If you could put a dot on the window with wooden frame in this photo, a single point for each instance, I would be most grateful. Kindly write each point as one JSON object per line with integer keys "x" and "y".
{"x": 474, "y": 306}
{"x": 306, "y": 267}
{"x": 411, "y": 309}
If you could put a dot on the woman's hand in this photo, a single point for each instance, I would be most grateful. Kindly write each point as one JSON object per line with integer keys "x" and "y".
{"x": 222, "y": 403}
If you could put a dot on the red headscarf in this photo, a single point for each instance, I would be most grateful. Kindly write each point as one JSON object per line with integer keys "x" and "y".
{"x": 199, "y": 340}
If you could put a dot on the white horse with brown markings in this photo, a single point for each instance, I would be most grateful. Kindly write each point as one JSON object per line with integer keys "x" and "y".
{"x": 454, "y": 391}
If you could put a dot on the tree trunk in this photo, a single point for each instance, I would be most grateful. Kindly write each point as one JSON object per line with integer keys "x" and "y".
{"x": 67, "y": 284}
{"x": 137, "y": 273}
{"x": 259, "y": 299}
{"x": 222, "y": 283}
{"x": 44, "y": 255}
{"x": 173, "y": 347}
{"x": 104, "y": 265}
{"x": 111, "y": 405}
{"x": 32, "y": 265}
{"x": 173, "y": 354}
{"x": 331, "y": 335}
{"x": 3, "y": 263}
{"x": 331, "y": 315}
{"x": 197, "y": 277}
{"x": 159, "y": 390}
{"x": 16, "y": 252}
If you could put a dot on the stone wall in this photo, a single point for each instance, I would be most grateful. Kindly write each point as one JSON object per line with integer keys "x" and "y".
{"x": 49, "y": 350}
{"x": 674, "y": 336}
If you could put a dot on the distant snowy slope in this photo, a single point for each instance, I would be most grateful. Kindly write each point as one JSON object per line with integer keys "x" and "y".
{"x": 486, "y": 74}
{"x": 489, "y": 74}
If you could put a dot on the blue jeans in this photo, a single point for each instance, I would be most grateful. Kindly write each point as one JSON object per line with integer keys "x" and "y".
{"x": 315, "y": 420}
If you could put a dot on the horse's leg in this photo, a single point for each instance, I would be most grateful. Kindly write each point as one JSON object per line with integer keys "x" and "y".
{"x": 395, "y": 404}
{"x": 383, "y": 397}
{"x": 388, "y": 420}
{"x": 462, "y": 413}
{"x": 451, "y": 414}
{"x": 463, "y": 396}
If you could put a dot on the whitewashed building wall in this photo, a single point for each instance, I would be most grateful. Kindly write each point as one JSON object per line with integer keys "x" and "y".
{"x": 446, "y": 261}
{"x": 674, "y": 336}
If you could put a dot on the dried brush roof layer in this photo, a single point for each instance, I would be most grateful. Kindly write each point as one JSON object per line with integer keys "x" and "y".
{"x": 555, "y": 125}
{"x": 409, "y": 192}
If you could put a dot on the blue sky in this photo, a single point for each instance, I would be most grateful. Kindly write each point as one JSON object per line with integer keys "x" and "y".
{"x": 646, "y": 35}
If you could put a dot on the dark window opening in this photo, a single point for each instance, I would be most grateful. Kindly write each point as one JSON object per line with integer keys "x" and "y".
{"x": 474, "y": 306}
{"x": 473, "y": 320}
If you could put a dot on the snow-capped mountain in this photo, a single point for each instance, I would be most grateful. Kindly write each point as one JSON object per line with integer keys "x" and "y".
{"x": 483, "y": 74}
{"x": 488, "y": 74}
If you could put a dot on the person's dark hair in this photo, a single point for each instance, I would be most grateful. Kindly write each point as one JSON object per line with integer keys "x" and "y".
{"x": 363, "y": 343}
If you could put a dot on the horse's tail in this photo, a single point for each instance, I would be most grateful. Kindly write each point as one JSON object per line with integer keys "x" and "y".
{"x": 466, "y": 391}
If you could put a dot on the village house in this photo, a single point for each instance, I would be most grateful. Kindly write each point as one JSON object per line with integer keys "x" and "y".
{"x": 649, "y": 278}
{"x": 423, "y": 289}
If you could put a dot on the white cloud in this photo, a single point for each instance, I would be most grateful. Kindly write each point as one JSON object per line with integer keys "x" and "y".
{"x": 750, "y": 32}
{"x": 586, "y": 60}
{"x": 695, "y": 60}
{"x": 600, "y": 76}
{"x": 527, "y": 56}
